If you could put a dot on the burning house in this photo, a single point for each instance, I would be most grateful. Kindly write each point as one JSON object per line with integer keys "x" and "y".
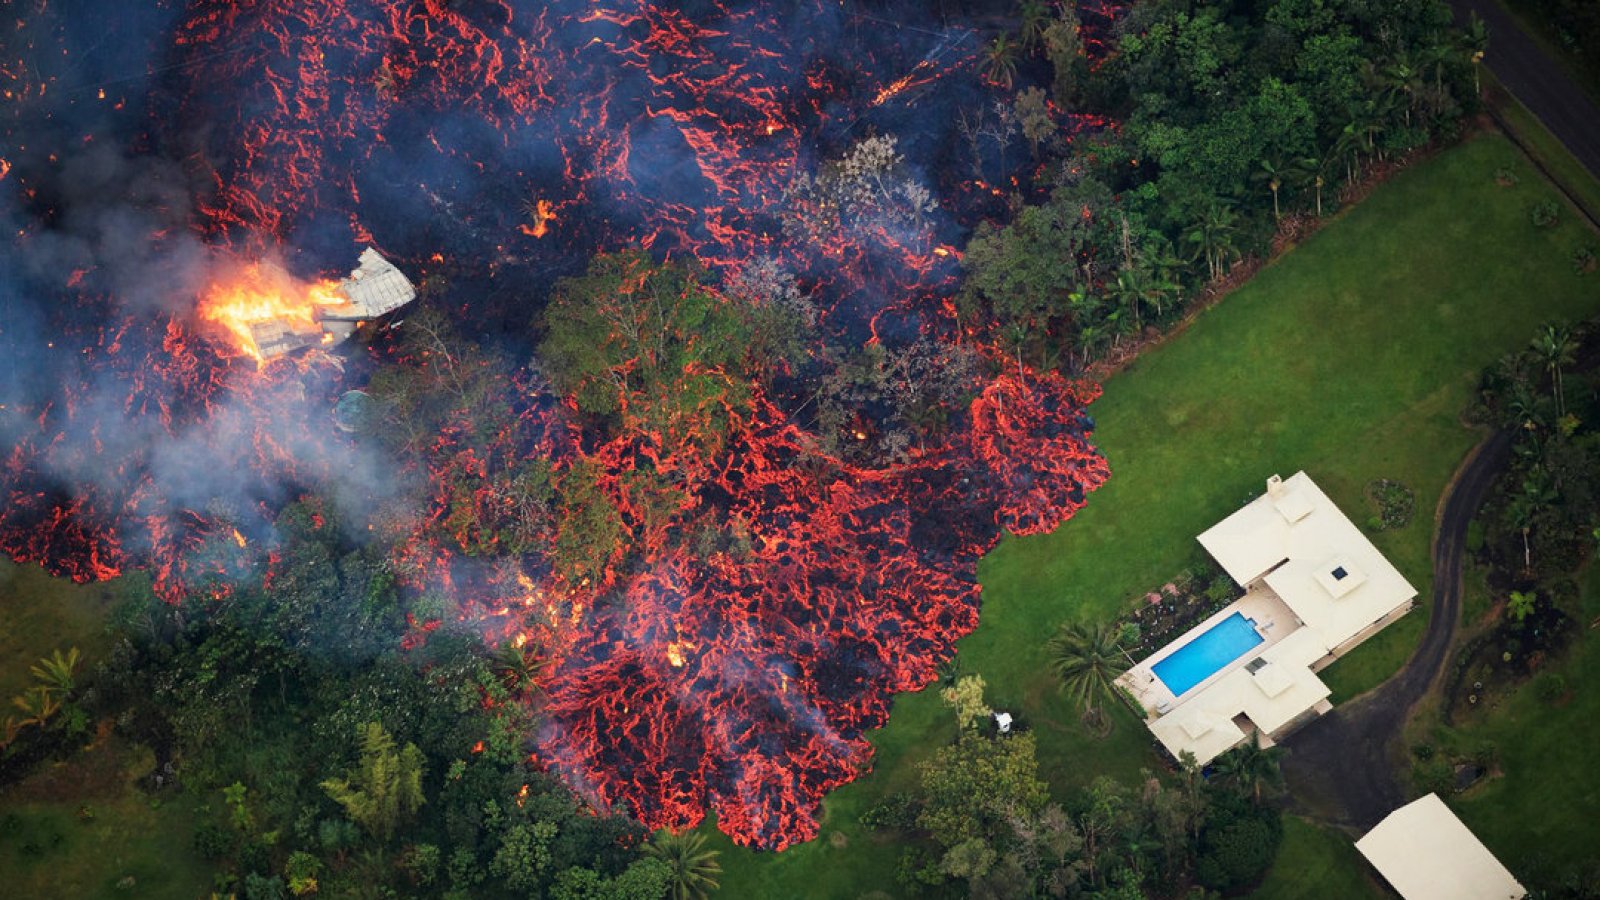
{"x": 376, "y": 288}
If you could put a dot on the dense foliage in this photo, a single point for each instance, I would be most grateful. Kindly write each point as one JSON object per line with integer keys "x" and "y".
{"x": 335, "y": 762}
{"x": 1239, "y": 119}
{"x": 981, "y": 823}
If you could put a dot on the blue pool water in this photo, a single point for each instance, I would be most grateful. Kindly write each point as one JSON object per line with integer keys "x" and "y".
{"x": 1214, "y": 648}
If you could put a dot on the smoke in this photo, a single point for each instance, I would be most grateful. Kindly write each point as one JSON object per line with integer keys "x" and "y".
{"x": 303, "y": 129}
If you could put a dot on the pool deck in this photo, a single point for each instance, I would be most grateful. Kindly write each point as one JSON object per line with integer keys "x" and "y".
{"x": 1315, "y": 587}
{"x": 1273, "y": 620}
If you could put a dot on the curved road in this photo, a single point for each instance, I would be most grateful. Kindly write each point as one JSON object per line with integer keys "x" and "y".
{"x": 1341, "y": 768}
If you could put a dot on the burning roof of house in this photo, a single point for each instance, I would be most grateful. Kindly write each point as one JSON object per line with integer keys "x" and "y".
{"x": 375, "y": 288}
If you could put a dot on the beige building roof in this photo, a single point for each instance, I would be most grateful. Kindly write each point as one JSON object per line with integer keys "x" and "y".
{"x": 1426, "y": 853}
{"x": 1315, "y": 586}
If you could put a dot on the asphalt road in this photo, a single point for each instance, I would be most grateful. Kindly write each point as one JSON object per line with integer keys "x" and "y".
{"x": 1538, "y": 82}
{"x": 1341, "y": 768}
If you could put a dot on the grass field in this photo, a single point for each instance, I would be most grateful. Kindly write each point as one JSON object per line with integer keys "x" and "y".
{"x": 80, "y": 828}
{"x": 1316, "y": 862}
{"x": 1543, "y": 146}
{"x": 1351, "y": 357}
{"x": 44, "y": 614}
{"x": 1539, "y": 816}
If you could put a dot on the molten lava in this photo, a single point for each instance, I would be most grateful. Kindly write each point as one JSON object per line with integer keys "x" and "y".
{"x": 739, "y": 677}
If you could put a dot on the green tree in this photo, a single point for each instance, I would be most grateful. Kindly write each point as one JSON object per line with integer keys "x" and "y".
{"x": 592, "y": 531}
{"x": 694, "y": 868}
{"x": 1250, "y": 768}
{"x": 1213, "y": 237}
{"x": 1556, "y": 348}
{"x": 1271, "y": 174}
{"x": 1087, "y": 659}
{"x": 301, "y": 872}
{"x": 386, "y": 787}
{"x": 966, "y": 698}
{"x": 1520, "y": 605}
{"x": 1033, "y": 17}
{"x": 1000, "y": 61}
{"x": 1033, "y": 115}
{"x": 650, "y": 348}
{"x": 644, "y": 879}
{"x": 972, "y": 789}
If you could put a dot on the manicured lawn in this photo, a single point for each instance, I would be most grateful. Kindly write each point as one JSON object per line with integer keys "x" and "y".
{"x": 1316, "y": 862}
{"x": 1352, "y": 358}
{"x": 1540, "y": 816}
{"x": 1551, "y": 153}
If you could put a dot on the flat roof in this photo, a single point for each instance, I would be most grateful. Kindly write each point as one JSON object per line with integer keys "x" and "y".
{"x": 1314, "y": 583}
{"x": 1426, "y": 853}
{"x": 1308, "y": 551}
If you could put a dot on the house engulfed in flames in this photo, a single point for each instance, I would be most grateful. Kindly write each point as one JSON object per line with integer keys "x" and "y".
{"x": 376, "y": 288}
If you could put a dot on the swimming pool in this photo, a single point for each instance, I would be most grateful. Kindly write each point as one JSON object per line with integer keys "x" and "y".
{"x": 1214, "y": 648}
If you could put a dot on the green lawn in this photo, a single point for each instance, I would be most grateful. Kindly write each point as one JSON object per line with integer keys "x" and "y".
{"x": 82, "y": 829}
{"x": 1352, "y": 357}
{"x": 1544, "y": 147}
{"x": 1539, "y": 817}
{"x": 1316, "y": 862}
{"x": 43, "y": 614}
{"x": 76, "y": 828}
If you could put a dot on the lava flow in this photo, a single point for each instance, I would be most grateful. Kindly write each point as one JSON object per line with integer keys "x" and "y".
{"x": 499, "y": 145}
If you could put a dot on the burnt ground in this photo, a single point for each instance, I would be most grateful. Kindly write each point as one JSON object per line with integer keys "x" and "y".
{"x": 1342, "y": 767}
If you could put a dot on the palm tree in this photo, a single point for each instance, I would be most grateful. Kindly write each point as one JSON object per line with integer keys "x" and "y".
{"x": 1000, "y": 61}
{"x": 1212, "y": 237}
{"x": 56, "y": 670}
{"x": 1272, "y": 174}
{"x": 1526, "y": 508}
{"x": 1087, "y": 659}
{"x": 1347, "y": 149}
{"x": 1034, "y": 16}
{"x": 1556, "y": 348}
{"x": 1251, "y": 768}
{"x": 518, "y": 667}
{"x": 1475, "y": 41}
{"x": 1399, "y": 77}
{"x": 1314, "y": 170}
{"x": 694, "y": 868}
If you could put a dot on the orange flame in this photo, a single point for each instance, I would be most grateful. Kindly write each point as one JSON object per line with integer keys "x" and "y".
{"x": 543, "y": 214}
{"x": 238, "y": 538}
{"x": 262, "y": 294}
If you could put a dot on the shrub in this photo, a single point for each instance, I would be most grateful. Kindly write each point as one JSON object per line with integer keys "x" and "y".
{"x": 1550, "y": 687}
{"x": 1238, "y": 853}
{"x": 898, "y": 810}
{"x": 1583, "y": 260}
{"x": 212, "y": 841}
{"x": 1396, "y": 503}
{"x": 1545, "y": 213}
{"x": 1434, "y": 776}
